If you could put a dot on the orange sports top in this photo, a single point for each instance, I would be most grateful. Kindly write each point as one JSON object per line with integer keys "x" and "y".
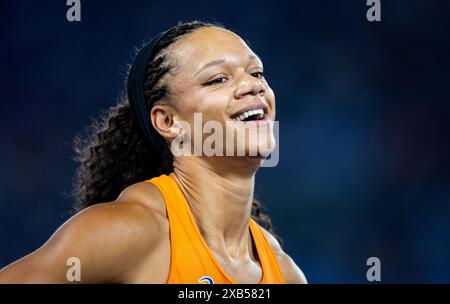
{"x": 191, "y": 260}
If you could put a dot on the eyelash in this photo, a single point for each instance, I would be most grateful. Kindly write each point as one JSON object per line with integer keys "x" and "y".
{"x": 214, "y": 81}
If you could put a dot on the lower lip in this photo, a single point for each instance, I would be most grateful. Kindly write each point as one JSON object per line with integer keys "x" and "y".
{"x": 257, "y": 123}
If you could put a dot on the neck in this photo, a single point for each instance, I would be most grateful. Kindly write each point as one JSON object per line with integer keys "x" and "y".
{"x": 220, "y": 195}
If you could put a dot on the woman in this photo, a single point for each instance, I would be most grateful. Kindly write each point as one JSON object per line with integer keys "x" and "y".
{"x": 168, "y": 217}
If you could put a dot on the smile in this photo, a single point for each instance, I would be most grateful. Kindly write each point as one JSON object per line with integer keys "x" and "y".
{"x": 251, "y": 113}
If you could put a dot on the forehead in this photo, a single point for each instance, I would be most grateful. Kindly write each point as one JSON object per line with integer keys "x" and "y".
{"x": 206, "y": 44}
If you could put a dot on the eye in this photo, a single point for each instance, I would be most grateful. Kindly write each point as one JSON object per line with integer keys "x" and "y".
{"x": 216, "y": 81}
{"x": 258, "y": 74}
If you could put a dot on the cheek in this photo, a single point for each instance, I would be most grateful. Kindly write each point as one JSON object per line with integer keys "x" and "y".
{"x": 270, "y": 97}
{"x": 186, "y": 102}
{"x": 212, "y": 105}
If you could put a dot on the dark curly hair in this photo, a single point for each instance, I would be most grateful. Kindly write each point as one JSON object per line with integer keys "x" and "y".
{"x": 115, "y": 153}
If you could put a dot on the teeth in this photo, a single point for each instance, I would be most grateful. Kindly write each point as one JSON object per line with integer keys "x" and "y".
{"x": 247, "y": 114}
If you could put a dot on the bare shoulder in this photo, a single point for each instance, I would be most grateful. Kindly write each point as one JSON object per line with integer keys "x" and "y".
{"x": 126, "y": 232}
{"x": 292, "y": 274}
{"x": 136, "y": 217}
{"x": 144, "y": 195}
{"x": 110, "y": 240}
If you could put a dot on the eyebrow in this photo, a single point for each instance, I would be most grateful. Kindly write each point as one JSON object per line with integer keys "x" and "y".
{"x": 218, "y": 62}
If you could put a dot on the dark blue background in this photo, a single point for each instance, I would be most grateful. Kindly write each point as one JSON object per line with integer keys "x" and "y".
{"x": 363, "y": 108}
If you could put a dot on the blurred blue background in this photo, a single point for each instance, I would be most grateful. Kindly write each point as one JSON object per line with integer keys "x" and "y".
{"x": 363, "y": 108}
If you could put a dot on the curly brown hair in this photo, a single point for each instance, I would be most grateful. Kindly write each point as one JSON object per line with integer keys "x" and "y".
{"x": 115, "y": 154}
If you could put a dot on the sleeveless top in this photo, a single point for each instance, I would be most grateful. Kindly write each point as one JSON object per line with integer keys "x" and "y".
{"x": 191, "y": 260}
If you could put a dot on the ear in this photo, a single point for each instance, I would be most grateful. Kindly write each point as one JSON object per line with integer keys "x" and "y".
{"x": 162, "y": 118}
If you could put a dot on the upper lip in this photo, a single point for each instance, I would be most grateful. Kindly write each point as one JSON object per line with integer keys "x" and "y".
{"x": 259, "y": 106}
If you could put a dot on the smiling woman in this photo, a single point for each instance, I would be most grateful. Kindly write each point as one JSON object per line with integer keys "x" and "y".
{"x": 149, "y": 216}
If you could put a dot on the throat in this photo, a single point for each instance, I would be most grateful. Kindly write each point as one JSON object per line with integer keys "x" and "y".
{"x": 221, "y": 205}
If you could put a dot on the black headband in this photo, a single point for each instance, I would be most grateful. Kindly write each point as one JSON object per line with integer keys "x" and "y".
{"x": 135, "y": 89}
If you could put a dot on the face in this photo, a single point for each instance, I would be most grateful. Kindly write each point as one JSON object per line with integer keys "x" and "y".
{"x": 219, "y": 76}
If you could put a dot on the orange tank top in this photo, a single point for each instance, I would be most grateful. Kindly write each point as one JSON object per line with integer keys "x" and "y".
{"x": 191, "y": 260}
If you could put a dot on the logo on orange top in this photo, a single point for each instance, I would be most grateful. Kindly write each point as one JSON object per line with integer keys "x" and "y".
{"x": 206, "y": 280}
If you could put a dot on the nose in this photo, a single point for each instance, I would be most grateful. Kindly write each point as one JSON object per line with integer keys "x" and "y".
{"x": 249, "y": 85}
